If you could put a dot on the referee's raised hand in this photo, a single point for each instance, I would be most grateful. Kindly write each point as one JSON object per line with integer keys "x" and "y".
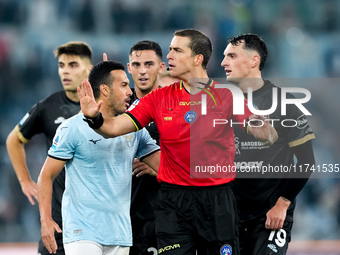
{"x": 88, "y": 104}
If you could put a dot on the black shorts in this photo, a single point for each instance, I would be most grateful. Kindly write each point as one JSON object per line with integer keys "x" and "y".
{"x": 255, "y": 239}
{"x": 201, "y": 219}
{"x": 59, "y": 239}
{"x": 144, "y": 238}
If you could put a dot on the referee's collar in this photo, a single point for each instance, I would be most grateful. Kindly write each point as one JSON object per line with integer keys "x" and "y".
{"x": 210, "y": 83}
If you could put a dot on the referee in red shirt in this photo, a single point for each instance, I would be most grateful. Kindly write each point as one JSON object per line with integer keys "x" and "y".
{"x": 197, "y": 211}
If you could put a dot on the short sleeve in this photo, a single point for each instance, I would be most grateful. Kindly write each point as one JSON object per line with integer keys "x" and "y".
{"x": 147, "y": 145}
{"x": 297, "y": 128}
{"x": 143, "y": 110}
{"x": 30, "y": 124}
{"x": 64, "y": 142}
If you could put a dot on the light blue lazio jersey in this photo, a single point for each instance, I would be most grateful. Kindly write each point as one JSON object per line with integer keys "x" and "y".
{"x": 96, "y": 201}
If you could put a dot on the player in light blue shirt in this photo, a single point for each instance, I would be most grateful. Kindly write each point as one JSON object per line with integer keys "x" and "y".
{"x": 96, "y": 201}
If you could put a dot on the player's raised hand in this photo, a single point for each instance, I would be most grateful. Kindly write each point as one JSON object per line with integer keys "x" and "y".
{"x": 104, "y": 56}
{"x": 88, "y": 104}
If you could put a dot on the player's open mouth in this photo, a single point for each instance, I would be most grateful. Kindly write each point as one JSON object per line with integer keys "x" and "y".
{"x": 143, "y": 81}
{"x": 66, "y": 81}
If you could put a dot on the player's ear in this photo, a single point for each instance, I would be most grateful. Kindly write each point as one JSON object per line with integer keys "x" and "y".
{"x": 199, "y": 59}
{"x": 88, "y": 69}
{"x": 255, "y": 61}
{"x": 128, "y": 67}
{"x": 161, "y": 67}
{"x": 104, "y": 89}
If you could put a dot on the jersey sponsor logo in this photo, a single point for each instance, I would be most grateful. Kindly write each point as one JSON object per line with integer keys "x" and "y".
{"x": 133, "y": 105}
{"x": 190, "y": 116}
{"x": 59, "y": 120}
{"x": 94, "y": 141}
{"x": 247, "y": 145}
{"x": 22, "y": 121}
{"x": 167, "y": 118}
{"x": 248, "y": 164}
{"x": 226, "y": 250}
{"x": 169, "y": 247}
{"x": 237, "y": 145}
{"x": 272, "y": 247}
{"x": 190, "y": 103}
{"x": 128, "y": 139}
{"x": 77, "y": 231}
{"x": 302, "y": 122}
{"x": 251, "y": 143}
{"x": 55, "y": 142}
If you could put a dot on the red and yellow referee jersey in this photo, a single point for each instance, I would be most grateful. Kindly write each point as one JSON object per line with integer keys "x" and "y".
{"x": 194, "y": 152}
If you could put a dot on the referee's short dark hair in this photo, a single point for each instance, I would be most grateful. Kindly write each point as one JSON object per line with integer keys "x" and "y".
{"x": 199, "y": 43}
{"x": 100, "y": 74}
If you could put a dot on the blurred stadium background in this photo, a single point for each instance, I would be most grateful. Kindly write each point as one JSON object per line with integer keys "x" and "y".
{"x": 304, "y": 45}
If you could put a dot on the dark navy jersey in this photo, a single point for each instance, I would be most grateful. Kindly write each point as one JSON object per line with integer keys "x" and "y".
{"x": 145, "y": 188}
{"x": 257, "y": 191}
{"x": 44, "y": 117}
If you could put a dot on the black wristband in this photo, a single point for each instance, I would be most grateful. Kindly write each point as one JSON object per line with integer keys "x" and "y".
{"x": 95, "y": 122}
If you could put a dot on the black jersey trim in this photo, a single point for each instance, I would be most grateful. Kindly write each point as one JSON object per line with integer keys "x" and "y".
{"x": 134, "y": 120}
{"x": 302, "y": 140}
{"x": 148, "y": 154}
{"x": 62, "y": 159}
